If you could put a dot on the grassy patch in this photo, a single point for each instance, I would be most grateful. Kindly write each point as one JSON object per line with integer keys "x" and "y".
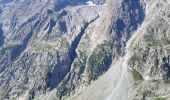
{"x": 151, "y": 41}
{"x": 135, "y": 58}
{"x": 156, "y": 81}
{"x": 43, "y": 46}
{"x": 156, "y": 41}
{"x": 157, "y": 97}
{"x": 165, "y": 41}
{"x": 48, "y": 46}
{"x": 136, "y": 75}
{"x": 152, "y": 95}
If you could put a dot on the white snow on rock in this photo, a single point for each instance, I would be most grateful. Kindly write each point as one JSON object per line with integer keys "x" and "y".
{"x": 90, "y": 3}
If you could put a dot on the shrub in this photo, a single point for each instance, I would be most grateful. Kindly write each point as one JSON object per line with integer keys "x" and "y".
{"x": 152, "y": 95}
{"x": 157, "y": 97}
{"x": 136, "y": 75}
{"x": 156, "y": 41}
{"x": 165, "y": 41}
{"x": 100, "y": 60}
{"x": 135, "y": 58}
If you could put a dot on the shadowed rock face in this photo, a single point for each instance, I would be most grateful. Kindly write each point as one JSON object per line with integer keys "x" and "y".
{"x": 58, "y": 74}
{"x": 132, "y": 15}
{"x": 6, "y": 1}
{"x": 1, "y": 37}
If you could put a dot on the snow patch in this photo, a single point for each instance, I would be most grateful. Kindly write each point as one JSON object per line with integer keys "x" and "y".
{"x": 147, "y": 78}
{"x": 90, "y": 3}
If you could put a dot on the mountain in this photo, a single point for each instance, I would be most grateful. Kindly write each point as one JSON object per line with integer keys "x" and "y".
{"x": 84, "y": 50}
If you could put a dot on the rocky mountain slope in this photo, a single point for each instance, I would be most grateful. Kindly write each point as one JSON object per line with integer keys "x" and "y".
{"x": 84, "y": 50}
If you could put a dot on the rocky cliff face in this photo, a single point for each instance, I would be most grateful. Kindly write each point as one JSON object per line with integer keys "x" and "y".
{"x": 57, "y": 49}
{"x": 150, "y": 53}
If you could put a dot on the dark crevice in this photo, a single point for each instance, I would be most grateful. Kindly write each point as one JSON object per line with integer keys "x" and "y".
{"x": 58, "y": 73}
{"x": 1, "y": 36}
{"x": 136, "y": 18}
{"x": 1, "y": 11}
{"x": 74, "y": 44}
{"x": 134, "y": 6}
{"x": 31, "y": 19}
{"x": 17, "y": 50}
{"x": 46, "y": 27}
{"x": 51, "y": 25}
{"x": 49, "y": 12}
{"x": 62, "y": 26}
{"x": 166, "y": 67}
{"x": 13, "y": 22}
{"x": 120, "y": 26}
{"x": 63, "y": 13}
{"x": 54, "y": 77}
{"x": 134, "y": 15}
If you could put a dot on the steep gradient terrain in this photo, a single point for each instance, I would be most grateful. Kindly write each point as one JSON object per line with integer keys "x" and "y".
{"x": 84, "y": 50}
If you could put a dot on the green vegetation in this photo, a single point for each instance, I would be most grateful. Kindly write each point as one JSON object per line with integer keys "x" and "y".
{"x": 137, "y": 49}
{"x": 9, "y": 46}
{"x": 95, "y": 64}
{"x": 156, "y": 41}
{"x": 156, "y": 81}
{"x": 48, "y": 46}
{"x": 152, "y": 95}
{"x": 165, "y": 41}
{"x": 135, "y": 58}
{"x": 136, "y": 75}
{"x": 65, "y": 43}
{"x": 157, "y": 97}
{"x": 43, "y": 46}
{"x": 97, "y": 58}
{"x": 98, "y": 62}
{"x": 146, "y": 94}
